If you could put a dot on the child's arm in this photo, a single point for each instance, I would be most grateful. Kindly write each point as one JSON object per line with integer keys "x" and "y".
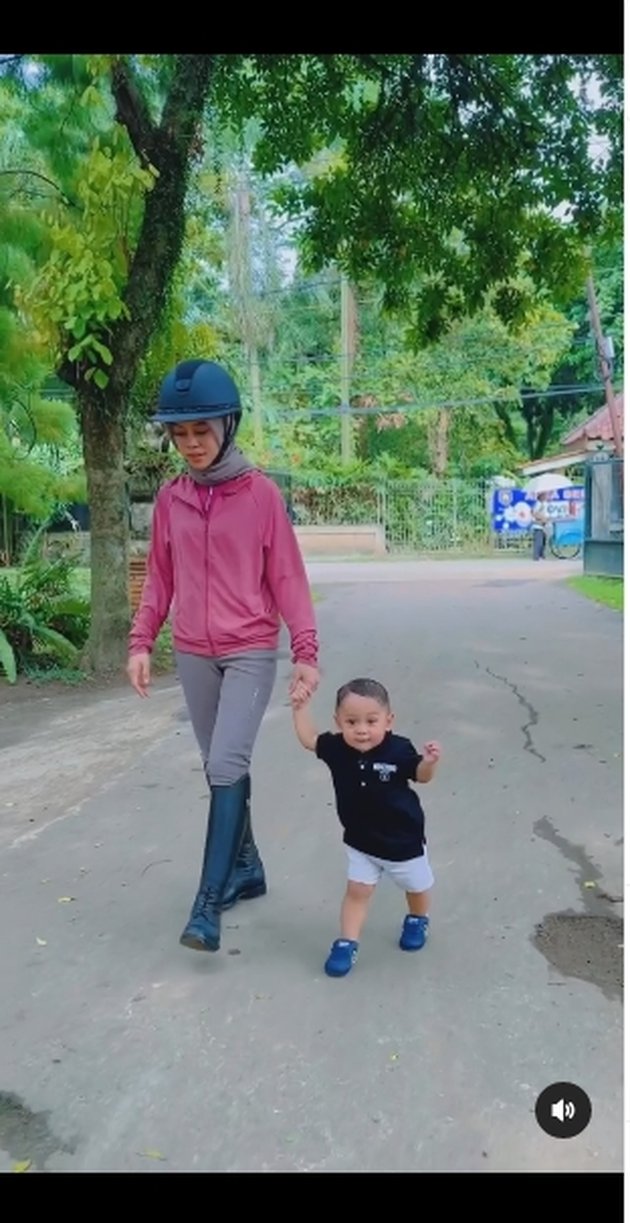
{"x": 431, "y": 753}
{"x": 304, "y": 728}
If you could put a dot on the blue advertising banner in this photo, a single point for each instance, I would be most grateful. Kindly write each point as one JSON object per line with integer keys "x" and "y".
{"x": 512, "y": 508}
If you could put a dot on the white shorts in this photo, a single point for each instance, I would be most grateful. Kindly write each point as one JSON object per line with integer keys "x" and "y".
{"x": 415, "y": 875}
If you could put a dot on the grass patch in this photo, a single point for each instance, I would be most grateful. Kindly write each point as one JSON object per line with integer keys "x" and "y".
{"x": 608, "y": 591}
{"x": 55, "y": 674}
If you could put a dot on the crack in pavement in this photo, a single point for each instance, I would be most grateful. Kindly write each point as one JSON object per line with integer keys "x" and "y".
{"x": 533, "y": 713}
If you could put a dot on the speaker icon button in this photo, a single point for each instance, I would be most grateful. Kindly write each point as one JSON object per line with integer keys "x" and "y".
{"x": 563, "y": 1110}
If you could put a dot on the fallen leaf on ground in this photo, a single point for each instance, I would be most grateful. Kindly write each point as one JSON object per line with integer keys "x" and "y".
{"x": 589, "y": 884}
{"x": 65, "y": 900}
{"x": 41, "y": 942}
{"x": 23, "y": 1165}
{"x": 152, "y": 1155}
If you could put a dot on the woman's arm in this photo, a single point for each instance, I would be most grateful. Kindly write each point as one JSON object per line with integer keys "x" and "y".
{"x": 288, "y": 581}
{"x": 157, "y": 592}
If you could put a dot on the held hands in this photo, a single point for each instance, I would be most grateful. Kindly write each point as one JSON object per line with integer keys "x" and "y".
{"x": 304, "y": 682}
{"x": 431, "y": 752}
{"x": 139, "y": 672}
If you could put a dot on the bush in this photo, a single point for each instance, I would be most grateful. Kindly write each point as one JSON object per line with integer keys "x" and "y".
{"x": 43, "y": 621}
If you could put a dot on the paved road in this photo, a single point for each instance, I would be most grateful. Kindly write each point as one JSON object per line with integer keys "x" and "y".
{"x": 120, "y": 1050}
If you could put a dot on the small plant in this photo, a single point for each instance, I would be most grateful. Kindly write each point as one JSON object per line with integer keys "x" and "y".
{"x": 43, "y": 621}
{"x": 149, "y": 466}
{"x": 71, "y": 676}
{"x": 163, "y": 655}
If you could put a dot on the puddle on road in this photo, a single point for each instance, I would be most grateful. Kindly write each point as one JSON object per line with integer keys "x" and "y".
{"x": 586, "y": 946}
{"x": 26, "y": 1135}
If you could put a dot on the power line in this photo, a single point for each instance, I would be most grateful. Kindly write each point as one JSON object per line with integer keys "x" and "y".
{"x": 407, "y": 409}
{"x": 384, "y": 354}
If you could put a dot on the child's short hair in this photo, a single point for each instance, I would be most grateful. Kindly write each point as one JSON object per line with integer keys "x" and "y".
{"x": 363, "y": 687}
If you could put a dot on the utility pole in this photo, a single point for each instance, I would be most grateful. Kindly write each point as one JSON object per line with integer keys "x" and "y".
{"x": 605, "y": 366}
{"x": 348, "y": 346}
{"x": 246, "y": 308}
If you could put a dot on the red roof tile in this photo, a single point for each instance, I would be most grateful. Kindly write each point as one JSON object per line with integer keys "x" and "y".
{"x": 598, "y": 427}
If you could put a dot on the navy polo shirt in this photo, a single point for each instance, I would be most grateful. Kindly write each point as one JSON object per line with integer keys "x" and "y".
{"x": 380, "y": 813}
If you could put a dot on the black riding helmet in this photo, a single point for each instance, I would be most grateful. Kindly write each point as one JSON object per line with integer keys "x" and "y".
{"x": 200, "y": 390}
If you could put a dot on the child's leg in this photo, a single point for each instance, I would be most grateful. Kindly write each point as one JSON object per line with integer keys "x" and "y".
{"x": 354, "y": 909}
{"x": 363, "y": 875}
{"x": 419, "y": 903}
{"x": 416, "y": 877}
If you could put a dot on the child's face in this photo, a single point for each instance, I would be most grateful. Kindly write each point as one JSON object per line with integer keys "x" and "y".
{"x": 363, "y": 722}
{"x": 197, "y": 441}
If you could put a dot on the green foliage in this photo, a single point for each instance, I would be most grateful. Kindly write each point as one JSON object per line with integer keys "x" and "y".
{"x": 399, "y": 390}
{"x": 43, "y": 621}
{"x": 79, "y": 291}
{"x": 151, "y": 462}
{"x": 163, "y": 657}
{"x": 34, "y": 434}
{"x": 452, "y": 172}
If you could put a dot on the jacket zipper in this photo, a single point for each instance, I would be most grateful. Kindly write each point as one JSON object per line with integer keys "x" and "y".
{"x": 207, "y": 563}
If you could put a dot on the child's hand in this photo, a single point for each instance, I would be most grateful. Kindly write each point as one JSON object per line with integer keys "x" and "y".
{"x": 431, "y": 752}
{"x": 300, "y": 695}
{"x": 305, "y": 679}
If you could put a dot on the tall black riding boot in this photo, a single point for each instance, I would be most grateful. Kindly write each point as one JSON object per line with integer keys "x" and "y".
{"x": 248, "y": 877}
{"x": 226, "y": 825}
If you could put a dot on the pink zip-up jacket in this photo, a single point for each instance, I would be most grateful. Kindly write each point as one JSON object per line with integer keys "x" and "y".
{"x": 229, "y": 568}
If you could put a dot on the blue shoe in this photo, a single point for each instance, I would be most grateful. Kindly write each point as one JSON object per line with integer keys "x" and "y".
{"x": 343, "y": 954}
{"x": 414, "y": 933}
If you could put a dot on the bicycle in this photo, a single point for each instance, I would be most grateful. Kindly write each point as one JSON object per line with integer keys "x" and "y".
{"x": 566, "y": 540}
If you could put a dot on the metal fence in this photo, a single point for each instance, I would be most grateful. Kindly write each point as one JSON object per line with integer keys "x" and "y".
{"x": 428, "y": 516}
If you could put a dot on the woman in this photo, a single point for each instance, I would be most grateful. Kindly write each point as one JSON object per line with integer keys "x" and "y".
{"x": 540, "y": 526}
{"x": 224, "y": 553}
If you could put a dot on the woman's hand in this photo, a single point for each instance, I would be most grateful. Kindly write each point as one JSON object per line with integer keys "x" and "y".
{"x": 304, "y": 682}
{"x": 139, "y": 672}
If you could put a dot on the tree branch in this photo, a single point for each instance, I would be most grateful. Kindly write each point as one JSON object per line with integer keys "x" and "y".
{"x": 132, "y": 111}
{"x": 36, "y": 174}
{"x": 504, "y": 416}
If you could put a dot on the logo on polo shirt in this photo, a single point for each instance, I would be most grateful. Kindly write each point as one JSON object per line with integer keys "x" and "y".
{"x": 384, "y": 770}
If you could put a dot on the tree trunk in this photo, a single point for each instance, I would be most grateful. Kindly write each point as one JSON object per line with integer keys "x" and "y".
{"x": 543, "y": 433}
{"x": 103, "y": 451}
{"x": 439, "y": 442}
{"x": 504, "y": 415}
{"x": 256, "y": 392}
